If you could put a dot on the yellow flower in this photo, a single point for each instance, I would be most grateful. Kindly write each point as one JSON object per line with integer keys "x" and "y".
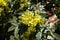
{"x": 3, "y": 3}
{"x": 30, "y": 19}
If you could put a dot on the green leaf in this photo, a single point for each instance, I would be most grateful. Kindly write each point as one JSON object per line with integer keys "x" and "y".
{"x": 16, "y": 35}
{"x": 57, "y": 36}
{"x": 12, "y": 37}
{"x": 38, "y": 35}
{"x": 11, "y": 28}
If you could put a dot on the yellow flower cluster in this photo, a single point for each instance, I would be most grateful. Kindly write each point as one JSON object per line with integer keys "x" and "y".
{"x": 31, "y": 19}
{"x": 3, "y": 3}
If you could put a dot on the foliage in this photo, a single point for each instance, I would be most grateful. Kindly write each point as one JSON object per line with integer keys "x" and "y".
{"x": 17, "y": 22}
{"x": 31, "y": 19}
